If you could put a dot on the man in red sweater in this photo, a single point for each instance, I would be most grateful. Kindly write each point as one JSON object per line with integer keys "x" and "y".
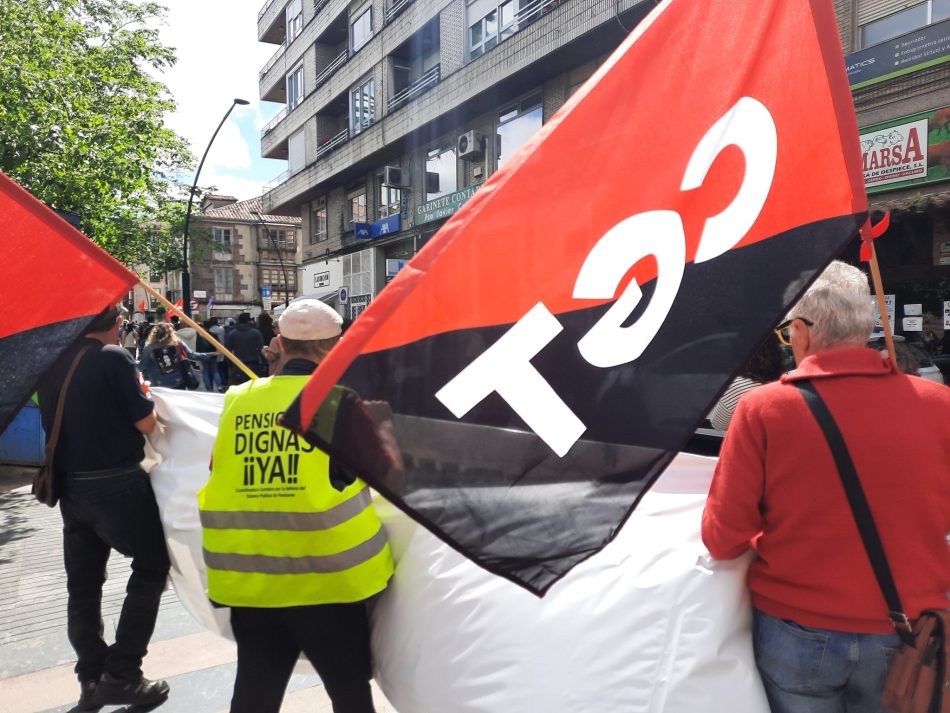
{"x": 821, "y": 634}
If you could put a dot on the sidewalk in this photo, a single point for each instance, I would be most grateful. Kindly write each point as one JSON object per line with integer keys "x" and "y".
{"x": 35, "y": 657}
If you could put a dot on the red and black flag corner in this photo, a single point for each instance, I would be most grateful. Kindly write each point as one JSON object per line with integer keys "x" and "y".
{"x": 53, "y": 282}
{"x": 557, "y": 342}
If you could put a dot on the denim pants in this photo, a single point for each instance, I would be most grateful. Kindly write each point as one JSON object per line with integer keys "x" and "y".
{"x": 211, "y": 376}
{"x": 101, "y": 512}
{"x": 807, "y": 670}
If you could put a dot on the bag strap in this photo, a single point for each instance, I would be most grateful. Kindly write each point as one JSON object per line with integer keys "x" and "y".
{"x": 859, "y": 507}
{"x": 61, "y": 404}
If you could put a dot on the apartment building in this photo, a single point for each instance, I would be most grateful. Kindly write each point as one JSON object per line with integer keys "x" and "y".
{"x": 396, "y": 111}
{"x": 241, "y": 259}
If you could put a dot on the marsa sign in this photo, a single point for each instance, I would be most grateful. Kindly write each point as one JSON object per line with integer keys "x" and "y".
{"x": 898, "y": 153}
{"x": 505, "y": 367}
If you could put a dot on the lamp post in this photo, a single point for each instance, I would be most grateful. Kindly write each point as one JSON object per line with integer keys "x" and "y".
{"x": 185, "y": 275}
{"x": 280, "y": 260}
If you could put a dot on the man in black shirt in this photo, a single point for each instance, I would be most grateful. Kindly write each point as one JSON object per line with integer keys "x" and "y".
{"x": 107, "y": 503}
{"x": 246, "y": 342}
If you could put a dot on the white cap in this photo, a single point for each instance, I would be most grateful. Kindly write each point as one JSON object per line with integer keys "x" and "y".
{"x": 309, "y": 320}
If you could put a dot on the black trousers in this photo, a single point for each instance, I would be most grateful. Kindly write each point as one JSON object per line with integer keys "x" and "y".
{"x": 102, "y": 513}
{"x": 335, "y": 637}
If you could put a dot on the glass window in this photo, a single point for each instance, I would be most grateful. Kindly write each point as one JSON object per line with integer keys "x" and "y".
{"x": 389, "y": 198}
{"x": 492, "y": 25}
{"x": 362, "y": 106}
{"x": 318, "y": 220}
{"x": 516, "y": 125}
{"x": 294, "y": 87}
{"x": 356, "y": 207}
{"x": 283, "y": 239}
{"x": 940, "y": 10}
{"x": 441, "y": 173}
{"x": 223, "y": 282}
{"x": 898, "y": 23}
{"x": 361, "y": 29}
{"x": 221, "y": 237}
{"x": 294, "y": 20}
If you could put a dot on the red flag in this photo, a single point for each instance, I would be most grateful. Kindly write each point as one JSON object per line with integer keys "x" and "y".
{"x": 142, "y": 306}
{"x": 560, "y": 338}
{"x": 43, "y": 313}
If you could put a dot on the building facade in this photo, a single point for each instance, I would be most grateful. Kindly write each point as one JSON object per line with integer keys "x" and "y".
{"x": 241, "y": 259}
{"x": 396, "y": 111}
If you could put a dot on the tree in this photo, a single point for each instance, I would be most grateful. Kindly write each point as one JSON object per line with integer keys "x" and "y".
{"x": 81, "y": 121}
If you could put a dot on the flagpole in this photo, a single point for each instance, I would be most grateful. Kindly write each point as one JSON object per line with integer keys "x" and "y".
{"x": 191, "y": 323}
{"x": 882, "y": 305}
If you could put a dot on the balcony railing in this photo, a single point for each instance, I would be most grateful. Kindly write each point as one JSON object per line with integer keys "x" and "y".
{"x": 273, "y": 183}
{"x": 318, "y": 6}
{"x": 420, "y": 86}
{"x": 273, "y": 60}
{"x": 333, "y": 143}
{"x": 397, "y": 7}
{"x": 269, "y": 126}
{"x": 339, "y": 60}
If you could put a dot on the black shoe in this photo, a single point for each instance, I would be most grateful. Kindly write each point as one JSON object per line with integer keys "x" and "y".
{"x": 113, "y": 691}
{"x": 86, "y": 692}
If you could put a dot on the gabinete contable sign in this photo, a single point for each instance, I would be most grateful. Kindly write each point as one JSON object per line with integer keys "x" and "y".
{"x": 444, "y": 206}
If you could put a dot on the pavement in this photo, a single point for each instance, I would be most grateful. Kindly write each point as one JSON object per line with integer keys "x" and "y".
{"x": 36, "y": 661}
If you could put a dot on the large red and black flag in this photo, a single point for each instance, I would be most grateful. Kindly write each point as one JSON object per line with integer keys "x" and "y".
{"x": 53, "y": 282}
{"x": 558, "y": 341}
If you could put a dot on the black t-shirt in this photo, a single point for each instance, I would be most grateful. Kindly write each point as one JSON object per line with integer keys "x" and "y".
{"x": 102, "y": 406}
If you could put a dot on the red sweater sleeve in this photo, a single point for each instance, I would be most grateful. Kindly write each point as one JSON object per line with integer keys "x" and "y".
{"x": 733, "y": 515}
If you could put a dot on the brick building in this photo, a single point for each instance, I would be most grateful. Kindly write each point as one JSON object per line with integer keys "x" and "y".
{"x": 397, "y": 110}
{"x": 236, "y": 250}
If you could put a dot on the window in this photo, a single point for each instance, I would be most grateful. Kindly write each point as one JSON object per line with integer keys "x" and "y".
{"x": 294, "y": 20}
{"x": 495, "y": 22}
{"x": 516, "y": 125}
{"x": 274, "y": 276}
{"x": 441, "y": 173}
{"x": 221, "y": 239}
{"x": 223, "y": 282}
{"x": 362, "y": 106}
{"x": 355, "y": 207}
{"x": 284, "y": 239}
{"x": 361, "y": 29}
{"x": 294, "y": 87}
{"x": 388, "y": 198}
{"x": 904, "y": 21}
{"x": 318, "y": 220}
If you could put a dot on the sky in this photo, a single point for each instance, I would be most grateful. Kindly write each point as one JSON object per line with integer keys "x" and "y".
{"x": 220, "y": 58}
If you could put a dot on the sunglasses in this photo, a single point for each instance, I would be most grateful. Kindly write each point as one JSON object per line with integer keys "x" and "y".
{"x": 782, "y": 331}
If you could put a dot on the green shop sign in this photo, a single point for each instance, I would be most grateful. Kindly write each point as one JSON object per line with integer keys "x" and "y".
{"x": 443, "y": 207}
{"x": 909, "y": 151}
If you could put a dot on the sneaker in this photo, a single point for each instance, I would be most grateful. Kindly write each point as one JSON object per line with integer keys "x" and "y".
{"x": 113, "y": 691}
{"x": 86, "y": 692}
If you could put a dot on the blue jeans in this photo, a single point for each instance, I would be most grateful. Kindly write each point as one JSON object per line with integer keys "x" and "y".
{"x": 807, "y": 670}
{"x": 100, "y": 514}
{"x": 211, "y": 376}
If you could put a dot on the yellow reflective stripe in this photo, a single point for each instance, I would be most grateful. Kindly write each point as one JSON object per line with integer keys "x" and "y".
{"x": 266, "y": 564}
{"x": 289, "y": 521}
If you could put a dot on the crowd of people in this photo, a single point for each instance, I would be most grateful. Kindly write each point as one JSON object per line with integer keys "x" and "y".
{"x": 298, "y": 569}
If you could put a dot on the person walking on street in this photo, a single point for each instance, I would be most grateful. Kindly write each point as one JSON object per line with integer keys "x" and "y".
{"x": 166, "y": 360}
{"x": 822, "y": 636}
{"x": 246, "y": 342}
{"x": 107, "y": 503}
{"x": 297, "y": 568}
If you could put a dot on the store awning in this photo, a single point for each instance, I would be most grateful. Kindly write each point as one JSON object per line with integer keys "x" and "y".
{"x": 329, "y": 296}
{"x": 885, "y": 201}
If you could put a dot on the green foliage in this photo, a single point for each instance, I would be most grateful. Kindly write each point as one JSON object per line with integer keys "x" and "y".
{"x": 81, "y": 121}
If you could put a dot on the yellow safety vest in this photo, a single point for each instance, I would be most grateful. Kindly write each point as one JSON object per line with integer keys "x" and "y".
{"x": 275, "y": 532}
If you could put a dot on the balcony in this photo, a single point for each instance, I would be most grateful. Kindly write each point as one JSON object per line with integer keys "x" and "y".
{"x": 270, "y": 22}
{"x": 273, "y": 60}
{"x": 397, "y": 7}
{"x": 269, "y": 126}
{"x": 276, "y": 181}
{"x": 331, "y": 144}
{"x": 415, "y": 89}
{"x": 328, "y": 71}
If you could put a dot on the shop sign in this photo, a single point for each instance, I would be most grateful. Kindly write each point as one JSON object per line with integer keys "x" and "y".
{"x": 443, "y": 207}
{"x": 889, "y": 303}
{"x": 915, "y": 310}
{"x": 917, "y": 50}
{"x": 357, "y": 304}
{"x": 909, "y": 151}
{"x": 200, "y": 294}
{"x": 377, "y": 229}
{"x": 913, "y": 324}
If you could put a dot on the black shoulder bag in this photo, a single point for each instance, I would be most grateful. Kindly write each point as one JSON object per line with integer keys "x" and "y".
{"x": 917, "y": 677}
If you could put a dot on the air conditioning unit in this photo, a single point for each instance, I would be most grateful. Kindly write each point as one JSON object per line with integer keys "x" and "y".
{"x": 470, "y": 145}
{"x": 392, "y": 176}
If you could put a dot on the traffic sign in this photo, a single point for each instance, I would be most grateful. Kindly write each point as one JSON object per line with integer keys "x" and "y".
{"x": 344, "y": 295}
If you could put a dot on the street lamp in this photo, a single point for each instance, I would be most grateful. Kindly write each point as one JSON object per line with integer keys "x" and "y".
{"x": 185, "y": 275}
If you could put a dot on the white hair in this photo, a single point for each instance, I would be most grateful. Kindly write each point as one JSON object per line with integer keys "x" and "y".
{"x": 839, "y": 304}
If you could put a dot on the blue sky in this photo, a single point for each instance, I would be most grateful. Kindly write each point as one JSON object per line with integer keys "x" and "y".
{"x": 219, "y": 58}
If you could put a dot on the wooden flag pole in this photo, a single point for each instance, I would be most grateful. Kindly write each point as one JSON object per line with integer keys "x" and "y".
{"x": 197, "y": 327}
{"x": 882, "y": 306}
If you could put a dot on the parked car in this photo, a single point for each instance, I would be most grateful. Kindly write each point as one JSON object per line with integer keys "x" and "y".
{"x": 911, "y": 358}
